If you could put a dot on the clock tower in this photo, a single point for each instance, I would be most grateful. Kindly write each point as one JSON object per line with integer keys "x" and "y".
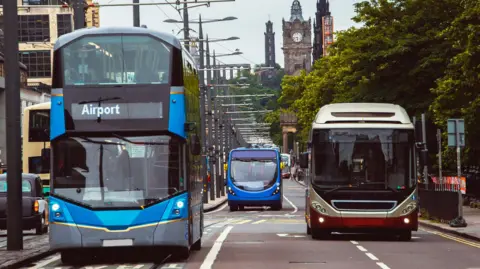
{"x": 297, "y": 41}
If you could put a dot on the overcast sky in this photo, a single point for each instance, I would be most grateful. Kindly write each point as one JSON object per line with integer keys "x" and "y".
{"x": 250, "y": 26}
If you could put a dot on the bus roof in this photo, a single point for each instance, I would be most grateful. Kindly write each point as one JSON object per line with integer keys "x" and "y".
{"x": 369, "y": 115}
{"x": 40, "y": 106}
{"x": 67, "y": 38}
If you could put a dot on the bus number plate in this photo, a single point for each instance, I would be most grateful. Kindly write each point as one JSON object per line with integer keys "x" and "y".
{"x": 117, "y": 243}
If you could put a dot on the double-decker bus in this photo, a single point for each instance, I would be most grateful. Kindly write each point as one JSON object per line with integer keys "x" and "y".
{"x": 35, "y": 138}
{"x": 362, "y": 171}
{"x": 254, "y": 178}
{"x": 125, "y": 147}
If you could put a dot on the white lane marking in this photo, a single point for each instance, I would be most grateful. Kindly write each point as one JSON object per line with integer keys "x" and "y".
{"x": 220, "y": 209}
{"x": 259, "y": 221}
{"x": 354, "y": 242}
{"x": 212, "y": 254}
{"x": 243, "y": 222}
{"x": 295, "y": 209}
{"x": 362, "y": 248}
{"x": 42, "y": 264}
{"x": 371, "y": 256}
{"x": 382, "y": 265}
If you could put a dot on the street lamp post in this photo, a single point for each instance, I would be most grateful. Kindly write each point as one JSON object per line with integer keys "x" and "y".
{"x": 14, "y": 147}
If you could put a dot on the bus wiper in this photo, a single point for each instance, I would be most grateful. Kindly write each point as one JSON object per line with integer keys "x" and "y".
{"x": 378, "y": 183}
{"x": 99, "y": 100}
{"x": 337, "y": 188}
{"x": 99, "y": 142}
{"x": 138, "y": 143}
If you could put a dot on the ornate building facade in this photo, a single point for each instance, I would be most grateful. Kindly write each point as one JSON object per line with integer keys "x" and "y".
{"x": 297, "y": 41}
{"x": 269, "y": 45}
{"x": 323, "y": 29}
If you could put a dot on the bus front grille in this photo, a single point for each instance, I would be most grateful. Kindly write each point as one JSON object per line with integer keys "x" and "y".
{"x": 364, "y": 205}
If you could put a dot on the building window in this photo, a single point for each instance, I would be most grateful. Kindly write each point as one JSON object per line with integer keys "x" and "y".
{"x": 64, "y": 24}
{"x": 33, "y": 28}
{"x": 37, "y": 62}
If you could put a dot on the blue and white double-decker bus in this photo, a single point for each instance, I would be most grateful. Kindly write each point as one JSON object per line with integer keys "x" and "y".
{"x": 254, "y": 178}
{"x": 125, "y": 147}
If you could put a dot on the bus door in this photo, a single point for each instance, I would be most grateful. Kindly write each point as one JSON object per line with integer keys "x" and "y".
{"x": 185, "y": 173}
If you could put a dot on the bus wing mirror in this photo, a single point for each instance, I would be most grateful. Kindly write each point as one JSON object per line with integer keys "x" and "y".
{"x": 45, "y": 155}
{"x": 195, "y": 146}
{"x": 304, "y": 161}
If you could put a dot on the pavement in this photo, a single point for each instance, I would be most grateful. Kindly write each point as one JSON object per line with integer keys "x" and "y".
{"x": 261, "y": 238}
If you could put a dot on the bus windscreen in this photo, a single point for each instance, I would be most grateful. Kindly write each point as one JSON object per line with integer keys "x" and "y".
{"x": 257, "y": 154}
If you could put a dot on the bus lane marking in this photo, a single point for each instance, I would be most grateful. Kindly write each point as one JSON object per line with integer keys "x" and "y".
{"x": 212, "y": 254}
{"x": 370, "y": 255}
{"x": 295, "y": 209}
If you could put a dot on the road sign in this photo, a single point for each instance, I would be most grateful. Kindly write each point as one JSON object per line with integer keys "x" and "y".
{"x": 456, "y": 132}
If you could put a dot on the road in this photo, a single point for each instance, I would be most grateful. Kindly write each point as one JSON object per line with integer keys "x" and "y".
{"x": 260, "y": 238}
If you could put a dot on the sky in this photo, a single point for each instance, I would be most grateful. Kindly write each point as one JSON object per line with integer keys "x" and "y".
{"x": 249, "y": 27}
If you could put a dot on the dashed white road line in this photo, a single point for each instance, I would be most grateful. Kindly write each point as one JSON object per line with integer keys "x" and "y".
{"x": 382, "y": 265}
{"x": 362, "y": 248}
{"x": 212, "y": 254}
{"x": 295, "y": 209}
{"x": 371, "y": 256}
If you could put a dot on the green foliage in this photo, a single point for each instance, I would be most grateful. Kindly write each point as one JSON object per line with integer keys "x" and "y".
{"x": 421, "y": 54}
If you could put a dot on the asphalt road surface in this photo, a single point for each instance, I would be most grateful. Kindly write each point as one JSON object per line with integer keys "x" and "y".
{"x": 261, "y": 238}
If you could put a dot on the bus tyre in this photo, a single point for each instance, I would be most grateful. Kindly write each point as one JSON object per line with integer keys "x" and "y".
{"x": 197, "y": 245}
{"x": 70, "y": 257}
{"x": 182, "y": 254}
{"x": 277, "y": 207}
{"x": 319, "y": 234}
{"x": 405, "y": 236}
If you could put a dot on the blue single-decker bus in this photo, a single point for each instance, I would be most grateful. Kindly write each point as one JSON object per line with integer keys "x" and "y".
{"x": 254, "y": 178}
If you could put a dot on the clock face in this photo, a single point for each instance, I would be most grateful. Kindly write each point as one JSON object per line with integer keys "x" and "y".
{"x": 297, "y": 37}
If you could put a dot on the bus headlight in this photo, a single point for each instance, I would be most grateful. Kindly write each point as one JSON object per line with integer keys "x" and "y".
{"x": 277, "y": 190}
{"x": 231, "y": 191}
{"x": 55, "y": 207}
{"x": 180, "y": 204}
{"x": 319, "y": 208}
{"x": 410, "y": 207}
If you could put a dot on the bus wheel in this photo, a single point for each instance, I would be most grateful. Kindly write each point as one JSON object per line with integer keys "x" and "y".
{"x": 405, "y": 236}
{"x": 197, "y": 245}
{"x": 70, "y": 257}
{"x": 233, "y": 208}
{"x": 277, "y": 207}
{"x": 319, "y": 234}
{"x": 182, "y": 254}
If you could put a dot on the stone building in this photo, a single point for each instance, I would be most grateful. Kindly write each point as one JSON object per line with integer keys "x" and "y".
{"x": 297, "y": 41}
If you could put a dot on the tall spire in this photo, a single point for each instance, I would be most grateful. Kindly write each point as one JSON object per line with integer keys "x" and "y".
{"x": 296, "y": 11}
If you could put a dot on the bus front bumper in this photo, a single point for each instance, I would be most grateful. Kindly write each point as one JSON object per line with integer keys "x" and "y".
{"x": 172, "y": 233}
{"x": 359, "y": 224}
{"x": 272, "y": 200}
